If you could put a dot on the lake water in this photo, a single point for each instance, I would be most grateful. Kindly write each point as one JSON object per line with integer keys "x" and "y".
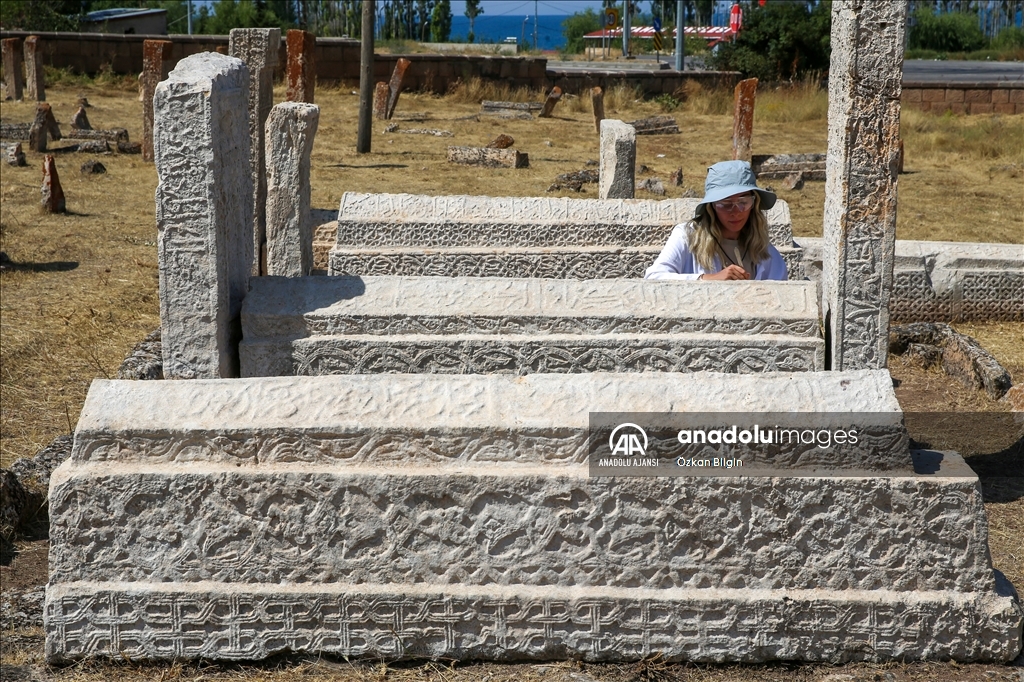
{"x": 494, "y": 29}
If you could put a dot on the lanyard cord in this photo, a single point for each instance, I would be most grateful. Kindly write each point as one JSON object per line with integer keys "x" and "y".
{"x": 743, "y": 254}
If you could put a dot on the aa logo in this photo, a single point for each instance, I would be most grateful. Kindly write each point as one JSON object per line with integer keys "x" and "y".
{"x": 628, "y": 440}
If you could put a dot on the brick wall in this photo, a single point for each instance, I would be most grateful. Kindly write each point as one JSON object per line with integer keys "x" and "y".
{"x": 998, "y": 97}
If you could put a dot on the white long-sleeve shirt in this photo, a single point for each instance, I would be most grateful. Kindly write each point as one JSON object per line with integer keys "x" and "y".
{"x": 676, "y": 261}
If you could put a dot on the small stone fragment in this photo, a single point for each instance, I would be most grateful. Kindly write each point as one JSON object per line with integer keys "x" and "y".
{"x": 93, "y": 147}
{"x": 793, "y": 181}
{"x": 13, "y": 155}
{"x": 652, "y": 185}
{"x": 391, "y": 128}
{"x": 80, "y": 120}
{"x": 643, "y": 169}
{"x": 676, "y": 178}
{"x": 502, "y": 141}
{"x": 93, "y": 167}
{"x": 129, "y": 147}
{"x": 53, "y": 194}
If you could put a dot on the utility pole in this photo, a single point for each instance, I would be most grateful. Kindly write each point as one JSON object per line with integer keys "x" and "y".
{"x": 625, "y": 29}
{"x": 534, "y": 25}
{"x": 365, "y": 81}
{"x": 680, "y": 39}
{"x": 189, "y": 17}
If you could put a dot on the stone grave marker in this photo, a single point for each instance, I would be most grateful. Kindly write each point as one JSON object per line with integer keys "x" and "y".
{"x": 618, "y": 160}
{"x": 203, "y": 213}
{"x": 291, "y": 128}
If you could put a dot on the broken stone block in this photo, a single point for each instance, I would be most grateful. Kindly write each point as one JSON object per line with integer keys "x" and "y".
{"x": 93, "y": 147}
{"x": 380, "y": 101}
{"x": 44, "y": 125}
{"x": 80, "y": 120}
{"x": 550, "y": 102}
{"x": 676, "y": 178}
{"x": 618, "y": 160}
{"x": 155, "y": 54}
{"x": 395, "y": 85}
{"x": 491, "y": 158}
{"x": 93, "y": 167}
{"x": 655, "y": 125}
{"x": 13, "y": 155}
{"x": 125, "y": 147}
{"x": 502, "y": 141}
{"x": 53, "y": 194}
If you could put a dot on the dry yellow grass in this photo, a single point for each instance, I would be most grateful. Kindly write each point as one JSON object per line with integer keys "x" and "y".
{"x": 61, "y": 326}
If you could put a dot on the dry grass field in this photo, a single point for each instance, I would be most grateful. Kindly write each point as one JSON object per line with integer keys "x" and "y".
{"x": 82, "y": 287}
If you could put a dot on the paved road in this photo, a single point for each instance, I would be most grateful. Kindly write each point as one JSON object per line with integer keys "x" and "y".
{"x": 921, "y": 70}
{"x": 914, "y": 70}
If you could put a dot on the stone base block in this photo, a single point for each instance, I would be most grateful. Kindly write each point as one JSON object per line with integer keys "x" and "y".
{"x": 223, "y": 621}
{"x": 536, "y": 562}
{"x": 609, "y": 262}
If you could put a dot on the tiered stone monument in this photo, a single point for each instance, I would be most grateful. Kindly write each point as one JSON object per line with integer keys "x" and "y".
{"x": 397, "y": 515}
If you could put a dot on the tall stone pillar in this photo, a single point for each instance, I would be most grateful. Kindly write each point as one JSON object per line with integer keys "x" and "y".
{"x": 155, "y": 54}
{"x": 10, "y": 48}
{"x": 258, "y": 48}
{"x": 35, "y": 85}
{"x": 860, "y": 186}
{"x": 203, "y": 213}
{"x": 618, "y": 160}
{"x": 291, "y": 128}
{"x": 301, "y": 66}
{"x": 743, "y": 118}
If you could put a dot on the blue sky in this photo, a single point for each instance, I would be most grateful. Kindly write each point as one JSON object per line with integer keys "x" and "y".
{"x": 524, "y": 7}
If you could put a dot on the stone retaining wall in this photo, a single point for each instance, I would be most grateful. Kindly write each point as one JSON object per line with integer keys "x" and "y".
{"x": 965, "y": 98}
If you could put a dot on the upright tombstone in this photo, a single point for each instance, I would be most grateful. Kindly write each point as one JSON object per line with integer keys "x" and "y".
{"x": 597, "y": 101}
{"x": 258, "y": 48}
{"x": 618, "y": 160}
{"x": 154, "y": 54}
{"x": 35, "y": 85}
{"x": 11, "y": 52}
{"x": 301, "y": 66}
{"x": 291, "y": 128}
{"x": 53, "y": 194}
{"x": 395, "y": 85}
{"x": 860, "y": 184}
{"x": 203, "y": 213}
{"x": 743, "y": 118}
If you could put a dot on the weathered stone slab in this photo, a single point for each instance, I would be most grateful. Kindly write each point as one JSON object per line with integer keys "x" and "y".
{"x": 203, "y": 213}
{"x": 461, "y": 419}
{"x": 291, "y": 129}
{"x": 618, "y": 160}
{"x": 35, "y": 84}
{"x": 155, "y": 56}
{"x": 655, "y": 125}
{"x": 408, "y": 220}
{"x": 860, "y": 188}
{"x": 395, "y": 85}
{"x": 490, "y": 158}
{"x": 597, "y": 104}
{"x": 948, "y": 281}
{"x": 310, "y": 326}
{"x": 258, "y": 48}
{"x": 549, "y": 103}
{"x": 368, "y": 516}
{"x": 53, "y": 195}
{"x": 13, "y": 155}
{"x": 592, "y": 262}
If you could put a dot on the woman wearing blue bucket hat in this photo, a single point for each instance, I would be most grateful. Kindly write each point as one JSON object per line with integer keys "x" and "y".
{"x": 727, "y": 239}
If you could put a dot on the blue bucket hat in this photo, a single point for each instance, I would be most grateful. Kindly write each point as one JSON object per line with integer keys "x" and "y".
{"x": 727, "y": 178}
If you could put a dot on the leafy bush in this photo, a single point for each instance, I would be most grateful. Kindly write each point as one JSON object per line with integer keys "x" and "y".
{"x": 667, "y": 102}
{"x": 1010, "y": 38}
{"x": 780, "y": 41}
{"x": 949, "y": 32}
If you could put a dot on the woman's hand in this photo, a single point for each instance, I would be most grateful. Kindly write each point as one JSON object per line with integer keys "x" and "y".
{"x": 732, "y": 272}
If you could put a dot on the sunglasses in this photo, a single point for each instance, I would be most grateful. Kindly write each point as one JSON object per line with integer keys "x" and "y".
{"x": 740, "y": 204}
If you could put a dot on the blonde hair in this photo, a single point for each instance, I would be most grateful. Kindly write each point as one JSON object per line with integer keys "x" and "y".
{"x": 704, "y": 235}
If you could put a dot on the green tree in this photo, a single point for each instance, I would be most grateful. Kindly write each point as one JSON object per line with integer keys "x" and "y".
{"x": 948, "y": 32}
{"x": 780, "y": 41}
{"x": 577, "y": 26}
{"x": 473, "y": 10}
{"x": 229, "y": 14}
{"x": 39, "y": 15}
{"x": 441, "y": 22}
